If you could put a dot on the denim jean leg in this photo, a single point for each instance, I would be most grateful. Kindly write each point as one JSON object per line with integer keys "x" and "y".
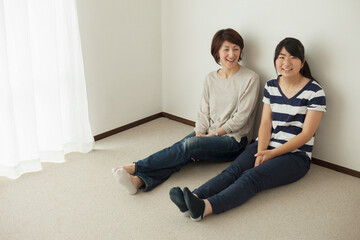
{"x": 276, "y": 172}
{"x": 159, "y": 166}
{"x": 166, "y": 158}
{"x": 215, "y": 149}
{"x": 227, "y": 177}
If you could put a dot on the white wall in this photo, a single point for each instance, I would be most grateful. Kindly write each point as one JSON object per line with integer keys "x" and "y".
{"x": 328, "y": 29}
{"x": 121, "y": 41}
{"x": 146, "y": 56}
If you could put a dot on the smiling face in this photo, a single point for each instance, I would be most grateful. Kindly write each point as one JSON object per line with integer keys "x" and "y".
{"x": 288, "y": 65}
{"x": 229, "y": 54}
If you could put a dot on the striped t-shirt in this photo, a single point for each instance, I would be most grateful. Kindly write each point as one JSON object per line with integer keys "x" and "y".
{"x": 288, "y": 115}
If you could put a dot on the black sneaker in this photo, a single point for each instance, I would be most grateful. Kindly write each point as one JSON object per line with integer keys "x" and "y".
{"x": 177, "y": 196}
{"x": 195, "y": 205}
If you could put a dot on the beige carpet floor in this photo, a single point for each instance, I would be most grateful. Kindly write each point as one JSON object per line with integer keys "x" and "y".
{"x": 80, "y": 199}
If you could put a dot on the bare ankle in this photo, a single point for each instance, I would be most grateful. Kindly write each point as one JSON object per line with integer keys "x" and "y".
{"x": 130, "y": 168}
{"x": 136, "y": 181}
{"x": 208, "y": 208}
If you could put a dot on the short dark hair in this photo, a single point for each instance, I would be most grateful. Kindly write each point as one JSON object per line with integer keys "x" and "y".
{"x": 223, "y": 35}
{"x": 296, "y": 49}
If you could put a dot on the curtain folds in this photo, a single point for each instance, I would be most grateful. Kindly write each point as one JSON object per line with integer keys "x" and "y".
{"x": 43, "y": 102}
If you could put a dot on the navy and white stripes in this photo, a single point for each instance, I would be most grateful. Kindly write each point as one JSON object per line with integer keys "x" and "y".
{"x": 288, "y": 114}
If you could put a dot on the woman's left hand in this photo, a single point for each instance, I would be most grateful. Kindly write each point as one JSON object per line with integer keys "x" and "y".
{"x": 206, "y": 135}
{"x": 199, "y": 134}
{"x": 263, "y": 156}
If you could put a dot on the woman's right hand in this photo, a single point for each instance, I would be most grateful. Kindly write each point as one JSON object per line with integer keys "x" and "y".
{"x": 199, "y": 134}
{"x": 195, "y": 160}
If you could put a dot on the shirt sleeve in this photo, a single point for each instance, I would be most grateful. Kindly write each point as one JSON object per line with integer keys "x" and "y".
{"x": 203, "y": 117}
{"x": 318, "y": 101}
{"x": 246, "y": 105}
{"x": 266, "y": 98}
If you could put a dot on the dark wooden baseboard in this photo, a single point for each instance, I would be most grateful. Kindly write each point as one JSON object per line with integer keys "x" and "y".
{"x": 142, "y": 121}
{"x": 127, "y": 126}
{"x": 191, "y": 123}
{"x": 178, "y": 119}
{"x": 336, "y": 167}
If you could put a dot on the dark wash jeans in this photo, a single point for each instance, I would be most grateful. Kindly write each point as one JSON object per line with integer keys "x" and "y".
{"x": 158, "y": 167}
{"x": 241, "y": 180}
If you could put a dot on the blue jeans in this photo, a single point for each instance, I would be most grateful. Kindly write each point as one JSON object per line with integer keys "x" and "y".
{"x": 241, "y": 180}
{"x": 158, "y": 167}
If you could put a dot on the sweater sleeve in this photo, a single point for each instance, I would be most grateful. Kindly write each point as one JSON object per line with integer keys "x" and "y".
{"x": 203, "y": 118}
{"x": 246, "y": 105}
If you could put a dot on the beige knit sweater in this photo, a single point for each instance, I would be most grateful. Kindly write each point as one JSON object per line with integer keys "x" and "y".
{"x": 230, "y": 103}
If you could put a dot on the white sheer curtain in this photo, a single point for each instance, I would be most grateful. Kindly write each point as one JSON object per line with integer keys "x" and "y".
{"x": 43, "y": 104}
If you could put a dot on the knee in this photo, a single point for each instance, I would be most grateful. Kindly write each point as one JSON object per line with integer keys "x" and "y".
{"x": 190, "y": 143}
{"x": 252, "y": 179}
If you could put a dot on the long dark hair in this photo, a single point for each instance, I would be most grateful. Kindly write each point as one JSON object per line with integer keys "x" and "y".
{"x": 296, "y": 49}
